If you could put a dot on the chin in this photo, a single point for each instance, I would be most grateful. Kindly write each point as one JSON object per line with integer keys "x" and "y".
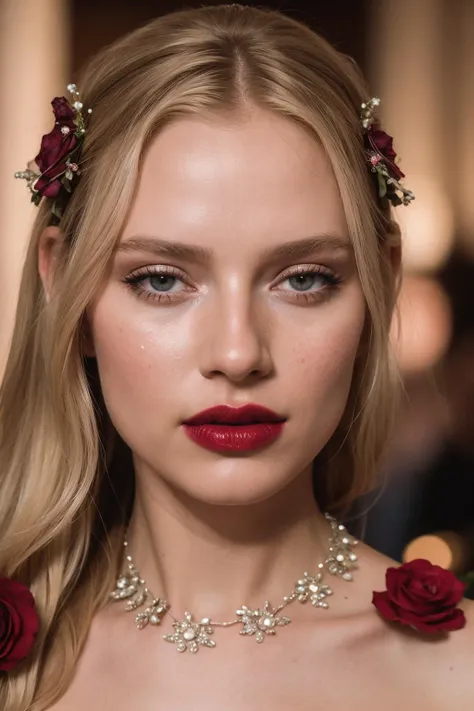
{"x": 235, "y": 483}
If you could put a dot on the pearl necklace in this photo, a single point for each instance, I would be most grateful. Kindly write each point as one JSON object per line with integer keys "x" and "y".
{"x": 189, "y": 634}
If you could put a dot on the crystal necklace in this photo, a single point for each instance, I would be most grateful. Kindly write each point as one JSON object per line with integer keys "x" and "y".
{"x": 189, "y": 634}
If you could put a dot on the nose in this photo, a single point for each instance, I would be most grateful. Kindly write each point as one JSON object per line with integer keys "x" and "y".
{"x": 235, "y": 340}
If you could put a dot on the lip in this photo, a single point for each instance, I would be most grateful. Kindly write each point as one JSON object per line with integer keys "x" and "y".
{"x": 225, "y": 414}
{"x": 234, "y": 438}
{"x": 235, "y": 429}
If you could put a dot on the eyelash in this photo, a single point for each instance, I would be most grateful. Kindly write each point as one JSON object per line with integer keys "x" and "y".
{"x": 133, "y": 282}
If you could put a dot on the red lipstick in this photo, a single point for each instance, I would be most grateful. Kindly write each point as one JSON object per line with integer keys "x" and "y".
{"x": 240, "y": 429}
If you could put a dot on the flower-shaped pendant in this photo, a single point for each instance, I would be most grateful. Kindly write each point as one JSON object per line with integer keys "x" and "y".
{"x": 309, "y": 587}
{"x": 260, "y": 621}
{"x": 190, "y": 635}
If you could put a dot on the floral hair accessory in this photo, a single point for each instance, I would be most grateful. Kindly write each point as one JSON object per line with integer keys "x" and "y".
{"x": 19, "y": 623}
{"x": 381, "y": 157}
{"x": 55, "y": 170}
{"x": 423, "y": 596}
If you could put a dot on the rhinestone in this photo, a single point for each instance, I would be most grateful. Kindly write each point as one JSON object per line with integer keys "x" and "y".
{"x": 72, "y": 88}
{"x": 65, "y": 130}
{"x": 347, "y": 576}
{"x": 206, "y": 621}
{"x": 189, "y": 634}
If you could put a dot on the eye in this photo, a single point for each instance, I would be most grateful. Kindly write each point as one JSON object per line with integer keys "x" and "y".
{"x": 162, "y": 280}
{"x": 311, "y": 283}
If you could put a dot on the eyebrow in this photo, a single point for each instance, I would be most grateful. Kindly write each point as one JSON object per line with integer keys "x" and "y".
{"x": 203, "y": 255}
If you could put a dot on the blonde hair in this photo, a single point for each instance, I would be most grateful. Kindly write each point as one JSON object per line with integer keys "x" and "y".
{"x": 67, "y": 477}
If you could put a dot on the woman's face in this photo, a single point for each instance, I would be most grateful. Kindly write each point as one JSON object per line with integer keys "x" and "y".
{"x": 245, "y": 320}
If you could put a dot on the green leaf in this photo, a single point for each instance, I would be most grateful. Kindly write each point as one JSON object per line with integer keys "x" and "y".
{"x": 382, "y": 185}
{"x": 57, "y": 209}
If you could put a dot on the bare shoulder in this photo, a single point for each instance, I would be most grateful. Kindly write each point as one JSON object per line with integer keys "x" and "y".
{"x": 445, "y": 662}
{"x": 458, "y": 652}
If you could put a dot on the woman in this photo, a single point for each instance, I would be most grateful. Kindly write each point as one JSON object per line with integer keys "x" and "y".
{"x": 217, "y": 233}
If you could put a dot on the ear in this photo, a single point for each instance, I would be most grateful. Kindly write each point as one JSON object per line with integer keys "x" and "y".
{"x": 49, "y": 245}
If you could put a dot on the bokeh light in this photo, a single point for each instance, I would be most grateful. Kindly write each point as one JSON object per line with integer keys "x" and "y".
{"x": 422, "y": 329}
{"x": 444, "y": 548}
{"x": 427, "y": 227}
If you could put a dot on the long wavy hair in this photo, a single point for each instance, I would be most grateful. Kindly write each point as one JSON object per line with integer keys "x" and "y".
{"x": 67, "y": 481}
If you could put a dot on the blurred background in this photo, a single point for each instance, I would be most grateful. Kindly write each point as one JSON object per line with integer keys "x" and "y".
{"x": 419, "y": 58}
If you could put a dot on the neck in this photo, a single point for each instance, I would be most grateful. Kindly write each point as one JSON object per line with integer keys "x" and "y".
{"x": 210, "y": 560}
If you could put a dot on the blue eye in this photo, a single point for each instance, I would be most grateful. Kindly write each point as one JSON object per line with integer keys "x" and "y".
{"x": 163, "y": 279}
{"x": 158, "y": 279}
{"x": 303, "y": 280}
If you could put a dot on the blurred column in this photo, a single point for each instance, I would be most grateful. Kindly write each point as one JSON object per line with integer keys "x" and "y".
{"x": 464, "y": 122}
{"x": 34, "y": 63}
{"x": 407, "y": 63}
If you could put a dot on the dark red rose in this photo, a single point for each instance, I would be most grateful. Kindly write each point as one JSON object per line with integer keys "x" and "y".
{"x": 64, "y": 112}
{"x": 423, "y": 596}
{"x": 55, "y": 149}
{"x": 382, "y": 143}
{"x": 19, "y": 623}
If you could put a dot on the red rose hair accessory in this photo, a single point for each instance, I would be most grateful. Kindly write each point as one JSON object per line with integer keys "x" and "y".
{"x": 54, "y": 171}
{"x": 19, "y": 623}
{"x": 381, "y": 157}
{"x": 423, "y": 596}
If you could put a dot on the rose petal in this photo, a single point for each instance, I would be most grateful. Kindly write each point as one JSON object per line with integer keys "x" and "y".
{"x": 449, "y": 623}
{"x": 382, "y": 602}
{"x": 12, "y": 634}
{"x": 48, "y": 189}
{"x": 63, "y": 111}
{"x": 8, "y": 629}
{"x": 20, "y": 622}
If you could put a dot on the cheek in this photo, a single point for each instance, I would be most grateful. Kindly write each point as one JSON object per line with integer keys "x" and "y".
{"x": 140, "y": 367}
{"x": 321, "y": 363}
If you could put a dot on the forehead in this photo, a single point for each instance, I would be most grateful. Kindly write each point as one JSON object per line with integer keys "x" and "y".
{"x": 246, "y": 180}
